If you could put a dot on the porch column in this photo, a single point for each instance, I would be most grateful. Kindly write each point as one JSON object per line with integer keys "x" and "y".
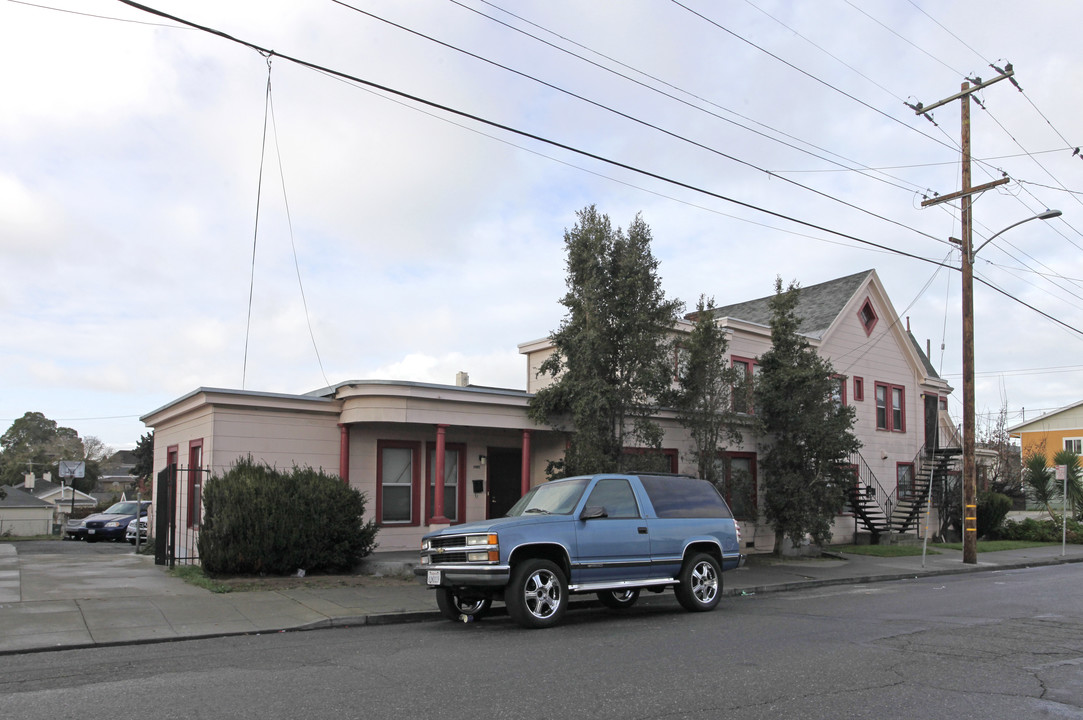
{"x": 344, "y": 452}
{"x": 438, "y": 478}
{"x": 525, "y": 472}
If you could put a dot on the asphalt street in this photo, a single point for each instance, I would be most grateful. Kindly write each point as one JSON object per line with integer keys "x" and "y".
{"x": 998, "y": 645}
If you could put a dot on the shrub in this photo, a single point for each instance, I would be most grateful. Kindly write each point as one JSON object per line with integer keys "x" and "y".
{"x": 259, "y": 520}
{"x": 1039, "y": 531}
{"x": 992, "y": 509}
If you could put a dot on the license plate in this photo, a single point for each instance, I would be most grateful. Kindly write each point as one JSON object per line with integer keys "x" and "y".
{"x": 90, "y": 532}
{"x": 433, "y": 577}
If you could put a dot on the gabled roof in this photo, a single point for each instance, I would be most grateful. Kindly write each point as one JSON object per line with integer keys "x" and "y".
{"x": 817, "y": 305}
{"x": 1019, "y": 426}
{"x": 16, "y": 497}
{"x": 930, "y": 371}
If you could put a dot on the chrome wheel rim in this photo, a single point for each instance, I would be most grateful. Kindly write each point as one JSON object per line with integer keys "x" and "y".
{"x": 704, "y": 582}
{"x": 542, "y": 594}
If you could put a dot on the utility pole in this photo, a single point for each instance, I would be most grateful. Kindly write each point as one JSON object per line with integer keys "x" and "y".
{"x": 970, "y": 475}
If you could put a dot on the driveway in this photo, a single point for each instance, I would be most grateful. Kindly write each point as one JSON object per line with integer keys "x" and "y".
{"x": 39, "y": 571}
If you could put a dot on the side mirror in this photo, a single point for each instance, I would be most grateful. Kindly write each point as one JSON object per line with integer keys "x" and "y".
{"x": 593, "y": 511}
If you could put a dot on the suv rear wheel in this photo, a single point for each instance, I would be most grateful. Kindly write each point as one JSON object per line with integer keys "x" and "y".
{"x": 700, "y": 585}
{"x": 537, "y": 596}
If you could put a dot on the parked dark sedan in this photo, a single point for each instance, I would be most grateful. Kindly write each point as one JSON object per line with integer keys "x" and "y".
{"x": 109, "y": 525}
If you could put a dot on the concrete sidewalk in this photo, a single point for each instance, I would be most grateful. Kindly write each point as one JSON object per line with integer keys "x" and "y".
{"x": 54, "y": 600}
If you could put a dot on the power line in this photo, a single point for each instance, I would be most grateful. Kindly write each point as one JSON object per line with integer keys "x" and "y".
{"x": 1027, "y": 371}
{"x": 609, "y": 161}
{"x": 731, "y": 111}
{"x": 289, "y": 221}
{"x": 523, "y": 133}
{"x": 905, "y": 40}
{"x": 810, "y": 75}
{"x": 92, "y": 15}
{"x": 610, "y": 178}
{"x": 255, "y": 229}
{"x": 637, "y": 120}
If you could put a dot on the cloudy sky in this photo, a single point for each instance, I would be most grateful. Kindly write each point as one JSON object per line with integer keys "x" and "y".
{"x": 399, "y": 240}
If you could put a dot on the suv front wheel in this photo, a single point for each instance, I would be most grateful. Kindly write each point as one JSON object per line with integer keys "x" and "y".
{"x": 537, "y": 596}
{"x": 700, "y": 585}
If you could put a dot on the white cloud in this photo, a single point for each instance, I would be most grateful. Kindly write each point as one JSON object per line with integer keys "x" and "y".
{"x": 131, "y": 157}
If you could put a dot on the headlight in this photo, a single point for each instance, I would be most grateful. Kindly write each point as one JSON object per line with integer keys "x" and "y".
{"x": 477, "y": 556}
{"x": 425, "y": 545}
{"x": 489, "y": 539}
{"x": 113, "y": 523}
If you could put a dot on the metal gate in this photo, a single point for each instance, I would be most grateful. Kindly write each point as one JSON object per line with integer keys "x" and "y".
{"x": 178, "y": 513}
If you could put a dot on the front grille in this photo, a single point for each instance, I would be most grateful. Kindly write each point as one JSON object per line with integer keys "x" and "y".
{"x": 447, "y": 541}
{"x": 451, "y": 557}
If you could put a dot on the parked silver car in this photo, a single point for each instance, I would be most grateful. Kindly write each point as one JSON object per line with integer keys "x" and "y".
{"x": 130, "y": 533}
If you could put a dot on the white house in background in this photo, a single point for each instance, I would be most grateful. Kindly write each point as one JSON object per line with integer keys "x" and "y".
{"x": 391, "y": 439}
{"x": 22, "y": 514}
{"x": 57, "y": 494}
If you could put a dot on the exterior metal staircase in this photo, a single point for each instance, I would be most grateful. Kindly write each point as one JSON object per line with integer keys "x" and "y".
{"x": 898, "y": 511}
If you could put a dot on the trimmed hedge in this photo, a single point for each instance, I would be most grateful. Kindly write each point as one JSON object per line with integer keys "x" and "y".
{"x": 259, "y": 520}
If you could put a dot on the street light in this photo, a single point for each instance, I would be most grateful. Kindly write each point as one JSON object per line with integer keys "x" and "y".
{"x": 970, "y": 474}
{"x": 1047, "y": 215}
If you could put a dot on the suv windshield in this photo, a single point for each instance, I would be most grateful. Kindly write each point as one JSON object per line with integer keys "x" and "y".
{"x": 553, "y": 498}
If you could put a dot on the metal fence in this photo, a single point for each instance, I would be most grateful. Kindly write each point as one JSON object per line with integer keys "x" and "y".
{"x": 178, "y": 514}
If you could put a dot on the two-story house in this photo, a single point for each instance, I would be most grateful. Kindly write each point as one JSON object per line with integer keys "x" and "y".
{"x": 393, "y": 439}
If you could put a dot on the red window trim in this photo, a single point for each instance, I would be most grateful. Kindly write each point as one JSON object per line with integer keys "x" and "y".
{"x": 889, "y": 423}
{"x": 755, "y": 481}
{"x": 841, "y": 380}
{"x": 859, "y": 388}
{"x": 750, "y": 374}
{"x": 415, "y": 481}
{"x": 670, "y": 453}
{"x": 872, "y": 311}
{"x": 679, "y": 349}
{"x": 430, "y": 465}
{"x": 195, "y": 479}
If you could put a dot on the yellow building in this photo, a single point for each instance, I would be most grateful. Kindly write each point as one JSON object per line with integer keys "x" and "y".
{"x": 1050, "y": 433}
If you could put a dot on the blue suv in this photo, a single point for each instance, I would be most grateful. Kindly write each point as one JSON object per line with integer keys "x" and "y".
{"x": 609, "y": 534}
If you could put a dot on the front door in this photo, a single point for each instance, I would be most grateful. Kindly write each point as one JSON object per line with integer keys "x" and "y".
{"x": 931, "y": 425}
{"x": 616, "y": 546}
{"x": 505, "y": 479}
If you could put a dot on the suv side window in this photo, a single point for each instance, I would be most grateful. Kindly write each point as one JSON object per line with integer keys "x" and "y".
{"x": 684, "y": 497}
{"x": 615, "y": 495}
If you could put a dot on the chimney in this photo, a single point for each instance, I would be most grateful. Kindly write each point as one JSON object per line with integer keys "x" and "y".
{"x": 28, "y": 481}
{"x": 462, "y": 379}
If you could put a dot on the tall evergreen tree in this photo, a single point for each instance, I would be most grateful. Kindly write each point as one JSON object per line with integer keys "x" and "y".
{"x": 611, "y": 359}
{"x": 703, "y": 397}
{"x": 806, "y": 467}
{"x": 144, "y": 458}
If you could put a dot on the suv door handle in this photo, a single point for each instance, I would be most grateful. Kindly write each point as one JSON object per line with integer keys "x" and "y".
{"x": 642, "y": 530}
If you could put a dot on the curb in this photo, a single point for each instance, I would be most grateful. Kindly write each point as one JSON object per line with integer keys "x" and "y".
{"x": 418, "y": 616}
{"x": 869, "y": 579}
